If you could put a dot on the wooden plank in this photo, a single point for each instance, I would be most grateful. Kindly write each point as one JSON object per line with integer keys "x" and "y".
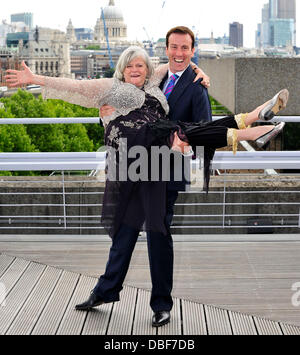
{"x": 52, "y": 314}
{"x": 213, "y": 278}
{"x": 242, "y": 324}
{"x": 143, "y": 315}
{"x": 5, "y": 261}
{"x": 174, "y": 327}
{"x": 267, "y": 327}
{"x": 193, "y": 318}
{"x": 13, "y": 273}
{"x": 97, "y": 320}
{"x": 18, "y": 296}
{"x": 73, "y": 321}
{"x": 30, "y": 312}
{"x": 123, "y": 313}
{"x": 218, "y": 322}
{"x": 289, "y": 329}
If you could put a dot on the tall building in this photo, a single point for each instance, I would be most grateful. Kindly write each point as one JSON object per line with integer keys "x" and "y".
{"x": 236, "y": 34}
{"x": 281, "y": 32}
{"x": 26, "y": 17}
{"x": 278, "y": 26}
{"x": 286, "y": 9}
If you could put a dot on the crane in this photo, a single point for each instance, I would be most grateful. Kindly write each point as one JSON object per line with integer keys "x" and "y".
{"x": 111, "y": 63}
{"x": 150, "y": 43}
{"x": 195, "y": 59}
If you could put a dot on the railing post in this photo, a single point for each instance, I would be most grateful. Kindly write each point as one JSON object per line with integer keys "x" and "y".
{"x": 224, "y": 199}
{"x": 64, "y": 199}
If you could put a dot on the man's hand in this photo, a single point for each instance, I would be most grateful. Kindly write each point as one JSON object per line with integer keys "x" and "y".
{"x": 106, "y": 110}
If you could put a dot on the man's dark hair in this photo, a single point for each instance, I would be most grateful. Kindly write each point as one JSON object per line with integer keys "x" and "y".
{"x": 181, "y": 30}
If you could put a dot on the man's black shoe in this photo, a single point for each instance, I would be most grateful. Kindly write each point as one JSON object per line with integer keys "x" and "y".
{"x": 161, "y": 318}
{"x": 93, "y": 301}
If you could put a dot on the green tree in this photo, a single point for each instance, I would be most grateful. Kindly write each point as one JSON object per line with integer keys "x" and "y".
{"x": 109, "y": 73}
{"x": 291, "y": 136}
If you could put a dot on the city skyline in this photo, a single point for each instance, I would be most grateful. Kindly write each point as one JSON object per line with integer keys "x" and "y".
{"x": 164, "y": 17}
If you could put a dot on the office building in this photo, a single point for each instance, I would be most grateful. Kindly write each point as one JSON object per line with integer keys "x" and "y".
{"x": 281, "y": 32}
{"x": 286, "y": 9}
{"x": 278, "y": 26}
{"x": 26, "y": 17}
{"x": 236, "y": 34}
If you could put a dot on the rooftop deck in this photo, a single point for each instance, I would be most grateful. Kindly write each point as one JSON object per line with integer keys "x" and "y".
{"x": 220, "y": 287}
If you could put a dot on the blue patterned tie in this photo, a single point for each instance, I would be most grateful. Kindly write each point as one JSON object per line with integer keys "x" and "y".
{"x": 171, "y": 85}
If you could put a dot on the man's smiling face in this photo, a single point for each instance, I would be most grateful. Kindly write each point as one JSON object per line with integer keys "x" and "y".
{"x": 179, "y": 51}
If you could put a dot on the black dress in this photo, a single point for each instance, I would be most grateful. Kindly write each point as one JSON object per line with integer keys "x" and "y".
{"x": 142, "y": 203}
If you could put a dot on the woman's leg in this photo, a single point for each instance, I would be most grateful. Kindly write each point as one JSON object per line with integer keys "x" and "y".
{"x": 251, "y": 134}
{"x": 267, "y": 110}
{"x": 221, "y": 136}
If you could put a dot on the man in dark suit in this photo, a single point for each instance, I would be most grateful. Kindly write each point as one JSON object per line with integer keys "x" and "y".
{"x": 188, "y": 101}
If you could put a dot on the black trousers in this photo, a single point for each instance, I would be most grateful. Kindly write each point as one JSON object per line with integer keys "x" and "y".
{"x": 160, "y": 251}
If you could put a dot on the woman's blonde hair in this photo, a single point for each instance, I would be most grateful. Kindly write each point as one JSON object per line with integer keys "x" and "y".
{"x": 127, "y": 56}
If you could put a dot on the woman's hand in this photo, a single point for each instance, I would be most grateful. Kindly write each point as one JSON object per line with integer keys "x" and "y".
{"x": 19, "y": 77}
{"x": 201, "y": 75}
{"x": 106, "y": 110}
{"x": 205, "y": 79}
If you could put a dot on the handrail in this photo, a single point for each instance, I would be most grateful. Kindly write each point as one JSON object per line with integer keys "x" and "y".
{"x": 72, "y": 120}
{"x": 96, "y": 161}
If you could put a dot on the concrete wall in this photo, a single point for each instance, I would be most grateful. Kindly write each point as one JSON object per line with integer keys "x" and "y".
{"x": 241, "y": 84}
{"x": 22, "y": 193}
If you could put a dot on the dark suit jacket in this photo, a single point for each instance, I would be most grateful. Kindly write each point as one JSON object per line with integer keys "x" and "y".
{"x": 188, "y": 102}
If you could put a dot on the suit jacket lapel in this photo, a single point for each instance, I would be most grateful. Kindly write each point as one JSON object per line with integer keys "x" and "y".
{"x": 161, "y": 86}
{"x": 186, "y": 78}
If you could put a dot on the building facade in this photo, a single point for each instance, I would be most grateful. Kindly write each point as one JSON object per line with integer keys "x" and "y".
{"x": 9, "y": 59}
{"x": 47, "y": 52}
{"x": 236, "y": 34}
{"x": 278, "y": 27}
{"x": 115, "y": 25}
{"x": 26, "y": 17}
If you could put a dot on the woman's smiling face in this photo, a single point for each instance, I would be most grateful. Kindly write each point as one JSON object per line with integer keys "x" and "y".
{"x": 136, "y": 72}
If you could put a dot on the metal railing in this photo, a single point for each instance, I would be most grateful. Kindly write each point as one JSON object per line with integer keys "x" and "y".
{"x": 68, "y": 202}
{"x": 72, "y": 203}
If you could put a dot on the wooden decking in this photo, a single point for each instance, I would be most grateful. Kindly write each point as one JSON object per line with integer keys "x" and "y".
{"x": 40, "y": 299}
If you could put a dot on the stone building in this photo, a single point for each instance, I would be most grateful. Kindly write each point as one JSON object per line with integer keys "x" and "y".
{"x": 47, "y": 52}
{"x": 71, "y": 37}
{"x": 114, "y": 21}
{"x": 9, "y": 59}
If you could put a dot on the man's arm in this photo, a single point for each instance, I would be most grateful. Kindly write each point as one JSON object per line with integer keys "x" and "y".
{"x": 201, "y": 104}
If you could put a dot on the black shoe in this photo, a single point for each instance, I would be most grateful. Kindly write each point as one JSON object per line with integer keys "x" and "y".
{"x": 264, "y": 139}
{"x": 161, "y": 318}
{"x": 92, "y": 302}
{"x": 275, "y": 105}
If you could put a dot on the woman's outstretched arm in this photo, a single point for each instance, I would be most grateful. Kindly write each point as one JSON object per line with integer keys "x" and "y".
{"x": 86, "y": 93}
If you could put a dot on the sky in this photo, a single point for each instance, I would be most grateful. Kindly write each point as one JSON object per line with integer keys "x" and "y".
{"x": 203, "y": 16}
